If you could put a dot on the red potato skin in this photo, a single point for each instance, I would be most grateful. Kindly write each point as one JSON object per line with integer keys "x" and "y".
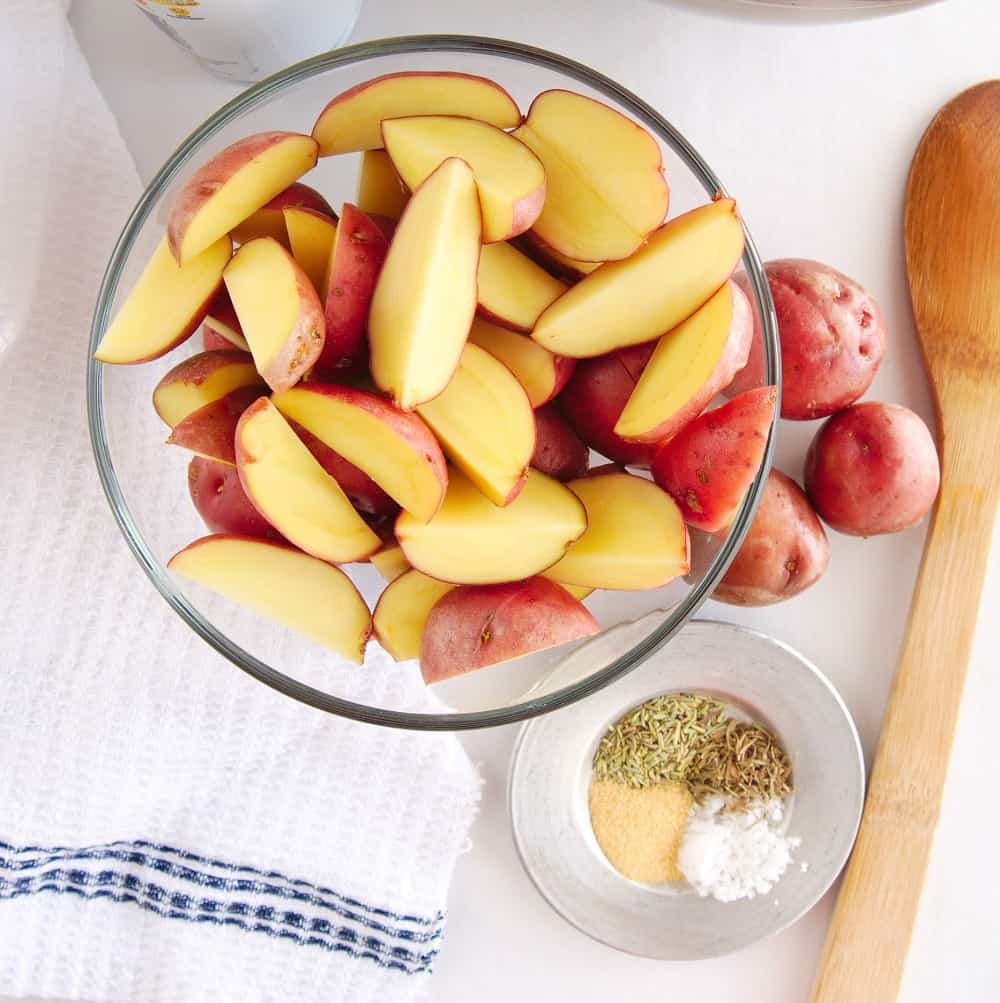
{"x": 385, "y": 223}
{"x": 526, "y": 211}
{"x": 358, "y": 255}
{"x": 733, "y": 359}
{"x": 833, "y": 339}
{"x": 478, "y": 625}
{"x": 222, "y": 503}
{"x": 559, "y": 451}
{"x": 365, "y": 495}
{"x": 211, "y": 430}
{"x": 211, "y": 176}
{"x": 212, "y": 341}
{"x": 871, "y": 469}
{"x": 596, "y": 394}
{"x": 300, "y": 196}
{"x": 708, "y": 466}
{"x": 304, "y": 344}
{"x": 784, "y": 552}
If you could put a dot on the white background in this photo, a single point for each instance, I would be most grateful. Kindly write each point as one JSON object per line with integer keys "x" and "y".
{"x": 812, "y": 127}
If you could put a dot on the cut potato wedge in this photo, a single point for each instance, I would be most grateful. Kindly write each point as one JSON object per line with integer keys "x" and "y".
{"x": 513, "y": 290}
{"x": 510, "y": 179}
{"x": 294, "y": 493}
{"x": 283, "y": 584}
{"x": 425, "y": 297}
{"x": 233, "y": 185}
{"x": 165, "y": 306}
{"x": 201, "y": 379}
{"x": 390, "y": 562}
{"x": 311, "y": 235}
{"x": 401, "y": 610}
{"x": 210, "y": 431}
{"x": 556, "y": 264}
{"x": 474, "y": 626}
{"x": 278, "y": 310}
{"x": 379, "y": 189}
{"x": 351, "y": 121}
{"x": 395, "y": 448}
{"x": 605, "y": 190}
{"x": 484, "y": 422}
{"x": 629, "y": 302}
{"x": 472, "y": 541}
{"x": 541, "y": 373}
{"x": 688, "y": 367}
{"x": 635, "y": 538}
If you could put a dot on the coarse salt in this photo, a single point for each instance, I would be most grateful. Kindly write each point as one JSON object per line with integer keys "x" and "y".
{"x": 731, "y": 854}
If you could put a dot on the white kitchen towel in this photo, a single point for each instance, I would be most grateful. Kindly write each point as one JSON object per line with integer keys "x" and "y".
{"x": 169, "y": 829}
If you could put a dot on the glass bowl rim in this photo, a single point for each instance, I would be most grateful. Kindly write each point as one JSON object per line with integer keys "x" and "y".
{"x": 158, "y": 575}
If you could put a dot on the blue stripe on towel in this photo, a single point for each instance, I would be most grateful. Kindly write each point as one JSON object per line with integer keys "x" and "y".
{"x": 413, "y": 951}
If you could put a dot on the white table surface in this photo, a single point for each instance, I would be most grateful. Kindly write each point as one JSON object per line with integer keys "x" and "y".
{"x": 812, "y": 127}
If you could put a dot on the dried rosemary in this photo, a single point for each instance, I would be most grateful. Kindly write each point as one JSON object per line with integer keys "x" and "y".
{"x": 690, "y": 739}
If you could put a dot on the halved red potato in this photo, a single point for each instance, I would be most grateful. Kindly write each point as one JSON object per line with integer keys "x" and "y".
{"x": 201, "y": 379}
{"x": 474, "y": 626}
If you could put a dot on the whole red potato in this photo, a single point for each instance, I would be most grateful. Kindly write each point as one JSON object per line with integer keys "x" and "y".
{"x": 873, "y": 468}
{"x": 833, "y": 338}
{"x": 784, "y": 552}
{"x": 221, "y": 501}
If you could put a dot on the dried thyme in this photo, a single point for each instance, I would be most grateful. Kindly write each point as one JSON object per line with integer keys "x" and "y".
{"x": 689, "y": 739}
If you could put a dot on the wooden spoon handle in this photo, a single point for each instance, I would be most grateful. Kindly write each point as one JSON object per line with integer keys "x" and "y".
{"x": 873, "y": 922}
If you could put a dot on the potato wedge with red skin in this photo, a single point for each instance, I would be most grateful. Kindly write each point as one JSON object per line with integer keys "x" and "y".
{"x": 222, "y": 503}
{"x": 833, "y": 339}
{"x": 278, "y": 310}
{"x": 708, "y": 466}
{"x": 351, "y": 121}
{"x": 559, "y": 451}
{"x": 283, "y": 584}
{"x": 510, "y": 179}
{"x": 622, "y": 303}
{"x": 210, "y": 431}
{"x": 595, "y": 396}
{"x": 165, "y": 306}
{"x": 233, "y": 185}
{"x": 513, "y": 290}
{"x": 474, "y": 626}
{"x": 359, "y": 251}
{"x": 201, "y": 379}
{"x": 221, "y": 327}
{"x": 402, "y": 610}
{"x": 635, "y": 537}
{"x": 471, "y": 541}
{"x": 542, "y": 374}
{"x": 605, "y": 189}
{"x": 290, "y": 488}
{"x": 688, "y": 367}
{"x": 365, "y": 495}
{"x": 784, "y": 552}
{"x": 394, "y": 448}
{"x": 557, "y": 265}
{"x": 269, "y": 220}
{"x": 380, "y": 192}
{"x": 872, "y": 468}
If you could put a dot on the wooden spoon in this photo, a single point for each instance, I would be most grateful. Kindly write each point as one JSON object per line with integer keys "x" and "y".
{"x": 952, "y": 234}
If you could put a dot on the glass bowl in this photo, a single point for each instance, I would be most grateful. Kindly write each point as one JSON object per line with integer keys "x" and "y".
{"x": 145, "y": 482}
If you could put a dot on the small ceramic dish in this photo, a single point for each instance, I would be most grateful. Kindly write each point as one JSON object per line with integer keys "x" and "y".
{"x": 751, "y": 672}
